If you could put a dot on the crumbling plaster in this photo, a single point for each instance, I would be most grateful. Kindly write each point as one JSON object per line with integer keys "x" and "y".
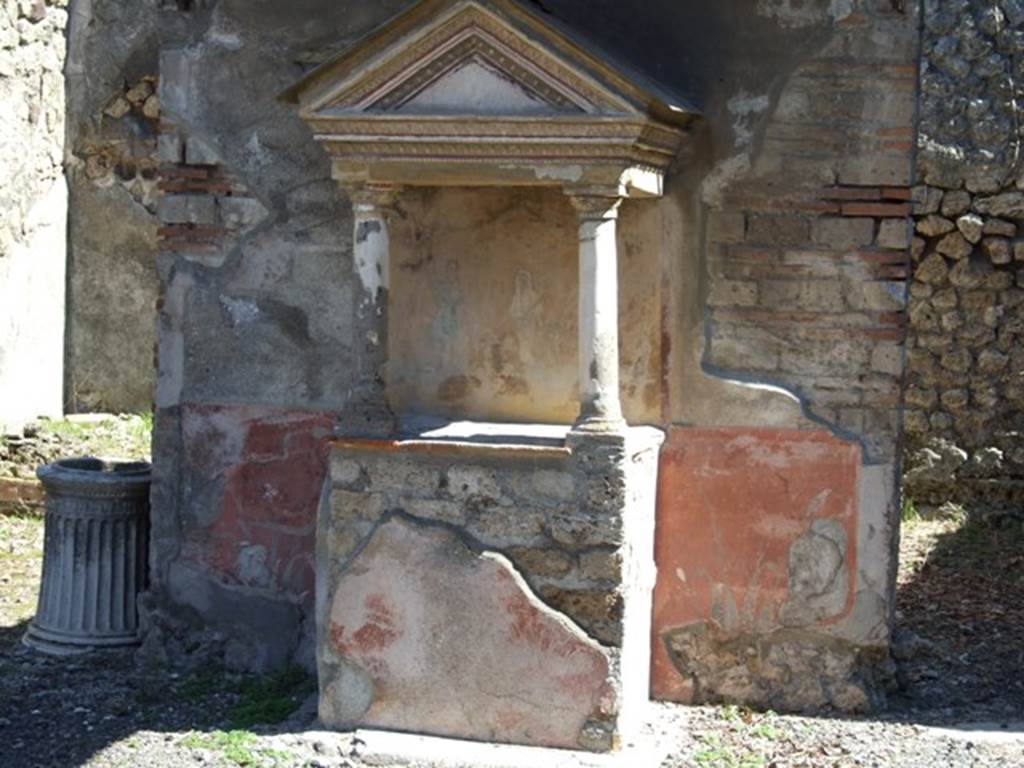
{"x": 110, "y": 156}
{"x": 258, "y": 314}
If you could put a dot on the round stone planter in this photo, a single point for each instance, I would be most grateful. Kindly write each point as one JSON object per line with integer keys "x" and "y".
{"x": 94, "y": 559}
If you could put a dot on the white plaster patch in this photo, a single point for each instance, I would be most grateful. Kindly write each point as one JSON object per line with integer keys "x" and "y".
{"x": 745, "y": 107}
{"x": 171, "y": 369}
{"x": 841, "y": 9}
{"x": 767, "y": 388}
{"x": 371, "y": 256}
{"x": 222, "y": 33}
{"x": 241, "y": 310}
{"x": 252, "y": 566}
{"x": 713, "y": 190}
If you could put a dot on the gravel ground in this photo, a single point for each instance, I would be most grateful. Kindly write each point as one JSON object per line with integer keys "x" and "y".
{"x": 960, "y": 603}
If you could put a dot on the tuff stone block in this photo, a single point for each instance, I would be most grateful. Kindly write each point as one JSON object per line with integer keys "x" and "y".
{"x": 417, "y": 602}
{"x": 842, "y": 233}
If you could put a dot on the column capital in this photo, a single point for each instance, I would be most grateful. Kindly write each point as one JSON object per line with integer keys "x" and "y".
{"x": 592, "y": 207}
{"x": 371, "y": 196}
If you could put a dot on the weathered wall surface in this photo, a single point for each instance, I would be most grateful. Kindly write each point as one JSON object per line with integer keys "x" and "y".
{"x": 484, "y": 295}
{"x": 113, "y": 118}
{"x": 435, "y": 560}
{"x": 781, "y": 255}
{"x": 965, "y": 393}
{"x": 803, "y": 251}
{"x": 33, "y": 209}
{"x": 254, "y": 325}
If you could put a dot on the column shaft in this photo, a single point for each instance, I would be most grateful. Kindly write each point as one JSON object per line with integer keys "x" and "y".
{"x": 368, "y": 412}
{"x": 600, "y": 408}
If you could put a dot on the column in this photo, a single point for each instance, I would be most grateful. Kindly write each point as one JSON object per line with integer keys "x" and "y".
{"x": 600, "y": 409}
{"x": 368, "y": 413}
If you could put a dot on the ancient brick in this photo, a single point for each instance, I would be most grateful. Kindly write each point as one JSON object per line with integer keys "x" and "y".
{"x": 878, "y": 210}
{"x": 188, "y": 209}
{"x": 813, "y": 294}
{"x": 842, "y": 233}
{"x": 733, "y": 293}
{"x": 736, "y": 354}
{"x": 727, "y": 227}
{"x": 891, "y": 169}
{"x": 170, "y": 148}
{"x": 778, "y": 230}
{"x": 878, "y": 296}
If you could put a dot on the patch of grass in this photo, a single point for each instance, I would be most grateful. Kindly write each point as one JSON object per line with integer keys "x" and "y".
{"x": 237, "y": 747}
{"x": 142, "y": 429}
{"x": 205, "y": 682}
{"x": 747, "y": 740}
{"x": 127, "y": 436}
{"x": 272, "y": 700}
{"x": 716, "y": 755}
{"x": 909, "y": 512}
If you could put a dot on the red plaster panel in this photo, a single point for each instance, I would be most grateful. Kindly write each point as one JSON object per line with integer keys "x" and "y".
{"x": 731, "y": 503}
{"x": 270, "y": 466}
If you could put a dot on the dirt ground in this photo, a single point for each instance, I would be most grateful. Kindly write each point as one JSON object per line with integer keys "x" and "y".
{"x": 959, "y": 648}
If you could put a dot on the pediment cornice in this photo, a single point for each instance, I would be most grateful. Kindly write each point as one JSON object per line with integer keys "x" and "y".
{"x": 485, "y": 92}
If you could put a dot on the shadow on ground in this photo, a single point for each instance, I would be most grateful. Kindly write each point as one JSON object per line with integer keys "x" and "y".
{"x": 960, "y": 620}
{"x": 961, "y": 660}
{"x": 62, "y": 712}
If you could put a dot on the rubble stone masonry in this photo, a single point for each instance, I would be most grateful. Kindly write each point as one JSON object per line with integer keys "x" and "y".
{"x": 965, "y": 359}
{"x": 33, "y": 208}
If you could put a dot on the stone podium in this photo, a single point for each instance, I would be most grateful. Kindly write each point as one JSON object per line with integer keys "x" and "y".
{"x": 476, "y": 580}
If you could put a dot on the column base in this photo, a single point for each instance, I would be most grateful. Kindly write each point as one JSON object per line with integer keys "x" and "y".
{"x": 599, "y": 427}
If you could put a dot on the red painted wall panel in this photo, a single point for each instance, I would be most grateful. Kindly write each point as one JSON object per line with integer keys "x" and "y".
{"x": 731, "y": 503}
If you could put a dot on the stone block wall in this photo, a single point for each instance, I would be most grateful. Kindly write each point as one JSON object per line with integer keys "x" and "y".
{"x": 807, "y": 243}
{"x": 965, "y": 392}
{"x": 782, "y": 245}
{"x": 436, "y": 559}
{"x": 33, "y": 209}
{"x": 522, "y": 506}
{"x": 799, "y": 330}
{"x": 111, "y": 158}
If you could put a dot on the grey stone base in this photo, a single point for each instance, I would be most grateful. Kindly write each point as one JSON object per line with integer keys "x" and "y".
{"x": 793, "y": 671}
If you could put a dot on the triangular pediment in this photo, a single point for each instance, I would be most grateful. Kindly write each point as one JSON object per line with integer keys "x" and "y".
{"x": 477, "y": 86}
{"x": 486, "y": 92}
{"x": 447, "y": 52}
